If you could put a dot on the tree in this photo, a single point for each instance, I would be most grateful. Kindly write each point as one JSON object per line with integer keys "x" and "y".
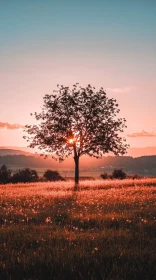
{"x": 25, "y": 176}
{"x": 51, "y": 175}
{"x": 78, "y": 121}
{"x": 104, "y": 176}
{"x": 136, "y": 176}
{"x": 5, "y": 174}
{"x": 119, "y": 174}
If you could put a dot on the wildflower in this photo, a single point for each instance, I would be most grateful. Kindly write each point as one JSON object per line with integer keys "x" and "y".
{"x": 48, "y": 220}
{"x": 95, "y": 250}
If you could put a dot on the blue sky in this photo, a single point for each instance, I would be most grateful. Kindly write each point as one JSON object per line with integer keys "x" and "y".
{"x": 105, "y": 43}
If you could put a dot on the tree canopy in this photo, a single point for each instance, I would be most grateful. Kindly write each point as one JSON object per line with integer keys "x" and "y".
{"x": 77, "y": 121}
{"x": 25, "y": 175}
{"x": 5, "y": 174}
{"x": 52, "y": 175}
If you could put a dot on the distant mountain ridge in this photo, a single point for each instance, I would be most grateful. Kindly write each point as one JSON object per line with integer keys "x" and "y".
{"x": 145, "y": 165}
{"x": 5, "y": 152}
{"x": 15, "y": 150}
{"x": 133, "y": 151}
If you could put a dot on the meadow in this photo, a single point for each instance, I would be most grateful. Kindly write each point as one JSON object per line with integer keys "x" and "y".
{"x": 106, "y": 230}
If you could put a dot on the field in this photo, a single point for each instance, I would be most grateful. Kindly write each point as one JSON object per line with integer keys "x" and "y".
{"x": 107, "y": 230}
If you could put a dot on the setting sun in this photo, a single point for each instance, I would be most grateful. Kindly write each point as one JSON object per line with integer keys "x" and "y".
{"x": 71, "y": 141}
{"x": 75, "y": 139}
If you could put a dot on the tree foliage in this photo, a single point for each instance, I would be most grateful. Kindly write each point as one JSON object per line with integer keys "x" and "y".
{"x": 78, "y": 121}
{"x": 25, "y": 176}
{"x": 119, "y": 174}
{"x": 5, "y": 174}
{"x": 104, "y": 176}
{"x": 51, "y": 175}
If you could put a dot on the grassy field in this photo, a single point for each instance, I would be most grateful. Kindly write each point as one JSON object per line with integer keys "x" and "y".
{"x": 107, "y": 230}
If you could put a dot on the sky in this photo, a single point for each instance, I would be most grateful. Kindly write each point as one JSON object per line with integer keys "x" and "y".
{"x": 105, "y": 43}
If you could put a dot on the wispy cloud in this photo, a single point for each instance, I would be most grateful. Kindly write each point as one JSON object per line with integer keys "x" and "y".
{"x": 10, "y": 126}
{"x": 120, "y": 89}
{"x": 143, "y": 133}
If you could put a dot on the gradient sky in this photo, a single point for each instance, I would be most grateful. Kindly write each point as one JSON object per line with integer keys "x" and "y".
{"x": 105, "y": 43}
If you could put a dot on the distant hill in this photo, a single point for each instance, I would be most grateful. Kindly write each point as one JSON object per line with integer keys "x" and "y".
{"x": 5, "y": 152}
{"x": 133, "y": 151}
{"x": 145, "y": 165}
{"x": 9, "y": 150}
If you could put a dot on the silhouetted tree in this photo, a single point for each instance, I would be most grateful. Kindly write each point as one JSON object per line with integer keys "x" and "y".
{"x": 78, "y": 121}
{"x": 5, "y": 174}
{"x": 104, "y": 176}
{"x": 118, "y": 174}
{"x": 136, "y": 176}
{"x": 51, "y": 175}
{"x": 25, "y": 176}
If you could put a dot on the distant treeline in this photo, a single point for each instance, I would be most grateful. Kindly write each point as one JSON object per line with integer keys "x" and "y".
{"x": 145, "y": 165}
{"x": 27, "y": 175}
{"x": 119, "y": 174}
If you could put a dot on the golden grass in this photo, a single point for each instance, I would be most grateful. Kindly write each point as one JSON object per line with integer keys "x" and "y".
{"x": 106, "y": 230}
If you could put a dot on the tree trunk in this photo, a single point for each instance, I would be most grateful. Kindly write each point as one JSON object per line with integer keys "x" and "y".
{"x": 76, "y": 159}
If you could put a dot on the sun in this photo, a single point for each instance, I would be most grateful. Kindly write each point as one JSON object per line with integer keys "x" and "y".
{"x": 71, "y": 141}
{"x": 74, "y": 140}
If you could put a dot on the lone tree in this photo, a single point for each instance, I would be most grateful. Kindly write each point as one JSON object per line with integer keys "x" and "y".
{"x": 77, "y": 121}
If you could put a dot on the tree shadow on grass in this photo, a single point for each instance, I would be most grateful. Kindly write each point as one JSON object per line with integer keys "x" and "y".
{"x": 64, "y": 208}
